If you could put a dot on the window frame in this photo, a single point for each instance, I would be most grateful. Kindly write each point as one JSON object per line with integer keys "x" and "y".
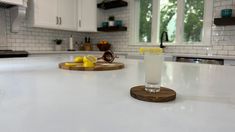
{"x": 134, "y": 28}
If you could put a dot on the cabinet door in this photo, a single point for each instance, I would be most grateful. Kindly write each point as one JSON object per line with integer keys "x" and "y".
{"x": 17, "y": 2}
{"x": 87, "y": 18}
{"x": 46, "y": 13}
{"x": 68, "y": 14}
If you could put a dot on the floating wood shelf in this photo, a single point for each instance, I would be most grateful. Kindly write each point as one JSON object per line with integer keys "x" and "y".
{"x": 224, "y": 21}
{"x": 112, "y": 29}
{"x": 112, "y": 4}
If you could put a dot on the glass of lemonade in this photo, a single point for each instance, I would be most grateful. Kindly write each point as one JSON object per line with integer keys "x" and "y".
{"x": 153, "y": 62}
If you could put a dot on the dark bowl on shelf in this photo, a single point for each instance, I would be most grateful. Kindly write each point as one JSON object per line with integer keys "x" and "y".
{"x": 226, "y": 13}
{"x": 104, "y": 47}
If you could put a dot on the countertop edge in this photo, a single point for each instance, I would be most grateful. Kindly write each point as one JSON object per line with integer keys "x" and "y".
{"x": 70, "y": 52}
{"x": 133, "y": 55}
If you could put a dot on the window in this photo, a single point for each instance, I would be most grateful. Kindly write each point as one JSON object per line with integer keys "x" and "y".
{"x": 145, "y": 20}
{"x": 186, "y": 21}
{"x": 168, "y": 14}
{"x": 193, "y": 20}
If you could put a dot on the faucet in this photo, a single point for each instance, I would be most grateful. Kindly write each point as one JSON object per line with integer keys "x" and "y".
{"x": 162, "y": 36}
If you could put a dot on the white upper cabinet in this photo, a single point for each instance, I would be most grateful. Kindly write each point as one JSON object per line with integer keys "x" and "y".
{"x": 68, "y": 14}
{"x": 73, "y": 15}
{"x": 45, "y": 13}
{"x": 87, "y": 15}
{"x": 16, "y": 2}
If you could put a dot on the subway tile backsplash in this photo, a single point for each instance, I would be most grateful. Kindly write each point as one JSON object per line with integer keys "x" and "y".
{"x": 31, "y": 39}
{"x": 37, "y": 39}
{"x": 3, "y": 38}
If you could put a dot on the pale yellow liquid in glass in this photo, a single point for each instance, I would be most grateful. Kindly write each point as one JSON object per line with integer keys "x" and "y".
{"x": 153, "y": 68}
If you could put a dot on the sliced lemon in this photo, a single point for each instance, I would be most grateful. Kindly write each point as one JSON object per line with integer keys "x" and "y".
{"x": 70, "y": 64}
{"x": 90, "y": 58}
{"x": 78, "y": 59}
{"x": 141, "y": 50}
{"x": 88, "y": 64}
{"x": 151, "y": 50}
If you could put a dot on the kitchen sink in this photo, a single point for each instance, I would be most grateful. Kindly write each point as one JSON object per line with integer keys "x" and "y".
{"x": 200, "y": 60}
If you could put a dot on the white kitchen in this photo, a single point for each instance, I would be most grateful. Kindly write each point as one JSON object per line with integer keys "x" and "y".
{"x": 117, "y": 65}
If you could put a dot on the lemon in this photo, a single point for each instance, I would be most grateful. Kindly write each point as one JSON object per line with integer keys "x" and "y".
{"x": 90, "y": 58}
{"x": 78, "y": 59}
{"x": 89, "y": 61}
{"x": 70, "y": 64}
{"x": 143, "y": 50}
{"x": 88, "y": 64}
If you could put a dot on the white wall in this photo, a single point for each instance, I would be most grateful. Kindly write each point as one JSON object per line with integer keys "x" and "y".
{"x": 223, "y": 38}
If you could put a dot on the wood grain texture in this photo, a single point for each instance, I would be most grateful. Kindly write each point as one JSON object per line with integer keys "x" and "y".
{"x": 100, "y": 66}
{"x": 165, "y": 94}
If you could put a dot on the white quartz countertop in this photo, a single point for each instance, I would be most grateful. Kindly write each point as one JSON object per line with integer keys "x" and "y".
{"x": 36, "y": 96}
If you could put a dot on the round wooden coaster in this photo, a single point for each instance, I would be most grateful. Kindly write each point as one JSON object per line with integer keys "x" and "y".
{"x": 165, "y": 94}
{"x": 100, "y": 66}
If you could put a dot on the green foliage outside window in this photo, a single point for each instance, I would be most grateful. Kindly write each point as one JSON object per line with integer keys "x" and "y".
{"x": 193, "y": 19}
{"x": 193, "y": 22}
{"x": 145, "y": 28}
{"x": 167, "y": 15}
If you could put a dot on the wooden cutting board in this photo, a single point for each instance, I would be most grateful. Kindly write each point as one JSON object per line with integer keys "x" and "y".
{"x": 100, "y": 66}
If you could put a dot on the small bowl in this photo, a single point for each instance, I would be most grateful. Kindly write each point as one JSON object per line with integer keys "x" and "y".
{"x": 58, "y": 41}
{"x": 118, "y": 23}
{"x": 225, "y": 13}
{"x": 105, "y": 24}
{"x": 104, "y": 47}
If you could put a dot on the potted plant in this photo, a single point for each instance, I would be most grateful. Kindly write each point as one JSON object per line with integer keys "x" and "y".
{"x": 58, "y": 43}
{"x": 111, "y": 21}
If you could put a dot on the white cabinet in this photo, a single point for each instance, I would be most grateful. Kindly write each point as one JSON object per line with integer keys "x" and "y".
{"x": 87, "y": 15}
{"x": 45, "y": 13}
{"x": 16, "y": 2}
{"x": 54, "y": 14}
{"x": 73, "y": 15}
{"x": 68, "y": 14}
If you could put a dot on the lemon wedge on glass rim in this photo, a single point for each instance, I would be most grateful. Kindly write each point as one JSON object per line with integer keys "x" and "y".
{"x": 150, "y": 50}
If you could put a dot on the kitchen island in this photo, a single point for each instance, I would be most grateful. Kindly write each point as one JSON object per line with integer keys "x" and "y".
{"x": 37, "y": 96}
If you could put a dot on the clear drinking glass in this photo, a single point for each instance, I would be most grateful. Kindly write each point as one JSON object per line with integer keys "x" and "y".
{"x": 153, "y": 69}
